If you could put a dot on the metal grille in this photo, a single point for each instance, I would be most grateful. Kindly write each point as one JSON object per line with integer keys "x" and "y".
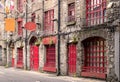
{"x": 95, "y": 12}
{"x": 94, "y": 58}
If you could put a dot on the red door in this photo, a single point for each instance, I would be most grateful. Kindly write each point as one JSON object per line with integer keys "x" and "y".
{"x": 71, "y": 59}
{"x": 50, "y": 64}
{"x": 34, "y": 57}
{"x": 94, "y": 64}
{"x": 20, "y": 57}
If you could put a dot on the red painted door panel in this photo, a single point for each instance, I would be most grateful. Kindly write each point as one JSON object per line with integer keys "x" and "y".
{"x": 71, "y": 59}
{"x": 34, "y": 57}
{"x": 20, "y": 57}
{"x": 13, "y": 62}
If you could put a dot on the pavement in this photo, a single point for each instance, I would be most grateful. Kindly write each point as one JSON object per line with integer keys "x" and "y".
{"x": 42, "y": 76}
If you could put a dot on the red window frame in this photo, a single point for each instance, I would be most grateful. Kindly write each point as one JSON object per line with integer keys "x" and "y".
{"x": 20, "y": 57}
{"x": 48, "y": 21}
{"x": 50, "y": 64}
{"x": 33, "y": 17}
{"x": 20, "y": 5}
{"x": 95, "y": 12}
{"x": 71, "y": 12}
{"x": 95, "y": 59}
{"x": 20, "y": 30}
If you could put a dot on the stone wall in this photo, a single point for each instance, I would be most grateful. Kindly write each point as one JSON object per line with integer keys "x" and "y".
{"x": 108, "y": 33}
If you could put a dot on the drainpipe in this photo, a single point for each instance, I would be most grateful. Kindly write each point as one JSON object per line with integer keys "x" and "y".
{"x": 42, "y": 15}
{"x": 119, "y": 53}
{"x": 26, "y": 38}
{"x": 58, "y": 69}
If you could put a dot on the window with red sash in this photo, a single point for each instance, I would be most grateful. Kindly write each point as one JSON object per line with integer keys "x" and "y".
{"x": 71, "y": 12}
{"x": 20, "y": 5}
{"x": 20, "y": 31}
{"x": 48, "y": 20}
{"x": 33, "y": 17}
{"x": 95, "y": 12}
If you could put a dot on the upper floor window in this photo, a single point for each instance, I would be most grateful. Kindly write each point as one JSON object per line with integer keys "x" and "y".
{"x": 71, "y": 12}
{"x": 20, "y": 31}
{"x": 48, "y": 20}
{"x": 95, "y": 12}
{"x": 20, "y": 5}
{"x": 33, "y": 17}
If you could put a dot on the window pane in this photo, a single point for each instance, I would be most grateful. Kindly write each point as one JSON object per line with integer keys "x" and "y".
{"x": 96, "y": 11}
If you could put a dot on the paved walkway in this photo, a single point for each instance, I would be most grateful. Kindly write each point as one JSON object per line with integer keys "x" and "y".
{"x": 66, "y": 78}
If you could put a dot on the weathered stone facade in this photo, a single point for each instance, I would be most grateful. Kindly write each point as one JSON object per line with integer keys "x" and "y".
{"x": 106, "y": 31}
{"x": 68, "y": 31}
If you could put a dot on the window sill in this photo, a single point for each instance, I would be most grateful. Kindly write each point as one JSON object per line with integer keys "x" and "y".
{"x": 71, "y": 23}
{"x": 49, "y": 69}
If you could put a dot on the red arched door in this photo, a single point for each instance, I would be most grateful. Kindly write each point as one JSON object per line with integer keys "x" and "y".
{"x": 94, "y": 58}
{"x": 34, "y": 57}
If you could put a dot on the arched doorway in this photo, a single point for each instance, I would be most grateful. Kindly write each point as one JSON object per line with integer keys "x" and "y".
{"x": 94, "y": 59}
{"x": 34, "y": 54}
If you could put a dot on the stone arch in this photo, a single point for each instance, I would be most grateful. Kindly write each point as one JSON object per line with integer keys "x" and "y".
{"x": 96, "y": 33}
{"x": 90, "y": 38}
{"x": 94, "y": 57}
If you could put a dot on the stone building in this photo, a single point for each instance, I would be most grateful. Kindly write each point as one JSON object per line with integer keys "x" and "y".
{"x": 89, "y": 37}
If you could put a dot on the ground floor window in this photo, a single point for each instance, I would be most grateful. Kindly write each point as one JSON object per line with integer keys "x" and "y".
{"x": 94, "y": 60}
{"x": 50, "y": 63}
{"x": 20, "y": 57}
